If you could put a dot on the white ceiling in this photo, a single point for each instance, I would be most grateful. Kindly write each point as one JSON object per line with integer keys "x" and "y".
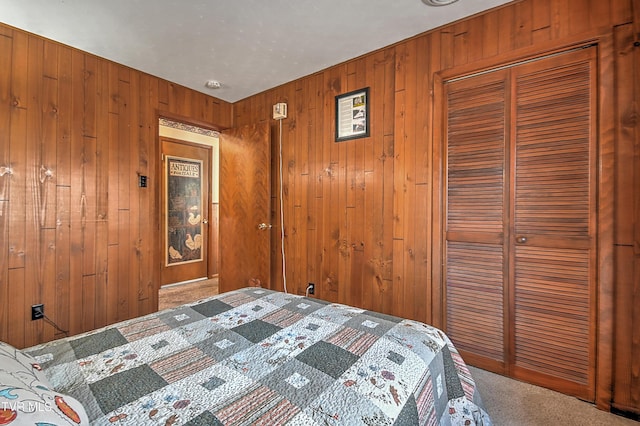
{"x": 247, "y": 45}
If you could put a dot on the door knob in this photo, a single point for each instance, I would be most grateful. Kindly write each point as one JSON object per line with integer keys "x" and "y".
{"x": 521, "y": 239}
{"x": 264, "y": 226}
{"x": 205, "y": 221}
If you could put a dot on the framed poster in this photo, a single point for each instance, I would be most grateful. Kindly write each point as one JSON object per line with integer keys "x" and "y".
{"x": 184, "y": 211}
{"x": 352, "y": 115}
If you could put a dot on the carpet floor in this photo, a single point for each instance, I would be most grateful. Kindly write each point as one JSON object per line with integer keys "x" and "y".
{"x": 510, "y": 402}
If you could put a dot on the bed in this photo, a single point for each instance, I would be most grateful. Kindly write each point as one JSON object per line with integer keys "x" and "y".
{"x": 260, "y": 357}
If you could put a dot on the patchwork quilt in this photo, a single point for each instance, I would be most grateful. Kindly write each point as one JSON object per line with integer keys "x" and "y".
{"x": 261, "y": 357}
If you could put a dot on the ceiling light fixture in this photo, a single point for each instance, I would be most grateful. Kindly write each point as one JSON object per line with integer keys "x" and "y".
{"x": 438, "y": 2}
{"x": 212, "y": 84}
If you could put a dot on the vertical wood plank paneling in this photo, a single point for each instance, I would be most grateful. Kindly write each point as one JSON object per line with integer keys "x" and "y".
{"x": 626, "y": 393}
{"x": 560, "y": 19}
{"x": 88, "y": 302}
{"x": 625, "y": 129}
{"x": 33, "y": 188}
{"x": 78, "y": 196}
{"x": 374, "y": 157}
{"x": 48, "y": 141}
{"x": 599, "y": 13}
{"x": 475, "y": 37}
{"x": 523, "y": 24}
{"x": 102, "y": 192}
{"x": 145, "y": 149}
{"x": 63, "y": 191}
{"x": 90, "y": 167}
{"x": 541, "y": 21}
{"x": 76, "y": 131}
{"x": 461, "y": 43}
{"x": 6, "y": 53}
{"x": 63, "y": 145}
{"x": 133, "y": 225}
{"x": 622, "y": 12}
{"x": 114, "y": 174}
{"x": 4, "y": 270}
{"x": 606, "y": 222}
{"x": 17, "y": 308}
{"x": 580, "y": 14}
{"x": 489, "y": 35}
{"x": 17, "y": 149}
{"x": 48, "y": 180}
{"x": 389, "y": 145}
{"x": 506, "y": 23}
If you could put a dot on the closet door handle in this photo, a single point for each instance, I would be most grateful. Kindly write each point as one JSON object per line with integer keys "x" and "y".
{"x": 265, "y": 226}
{"x": 521, "y": 240}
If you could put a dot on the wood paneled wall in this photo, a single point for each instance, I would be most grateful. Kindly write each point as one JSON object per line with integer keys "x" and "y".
{"x": 76, "y": 131}
{"x": 76, "y": 231}
{"x": 358, "y": 214}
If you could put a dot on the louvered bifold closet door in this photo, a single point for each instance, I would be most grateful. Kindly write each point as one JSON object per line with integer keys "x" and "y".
{"x": 475, "y": 216}
{"x": 553, "y": 270}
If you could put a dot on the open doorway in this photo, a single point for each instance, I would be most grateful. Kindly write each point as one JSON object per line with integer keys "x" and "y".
{"x": 189, "y": 211}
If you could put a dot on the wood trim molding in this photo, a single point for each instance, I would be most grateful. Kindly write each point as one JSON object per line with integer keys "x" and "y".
{"x": 528, "y": 53}
{"x": 605, "y": 234}
{"x": 188, "y": 120}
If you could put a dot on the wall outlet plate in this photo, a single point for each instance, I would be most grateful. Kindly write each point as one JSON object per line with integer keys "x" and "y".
{"x": 37, "y": 312}
{"x": 280, "y": 111}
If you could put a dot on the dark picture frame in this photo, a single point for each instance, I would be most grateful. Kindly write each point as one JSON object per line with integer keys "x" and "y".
{"x": 352, "y": 115}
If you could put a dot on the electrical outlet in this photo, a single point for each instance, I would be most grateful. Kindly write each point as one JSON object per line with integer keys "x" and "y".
{"x": 312, "y": 288}
{"x": 37, "y": 312}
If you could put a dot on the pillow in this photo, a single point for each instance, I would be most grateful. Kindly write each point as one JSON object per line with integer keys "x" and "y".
{"x": 26, "y": 396}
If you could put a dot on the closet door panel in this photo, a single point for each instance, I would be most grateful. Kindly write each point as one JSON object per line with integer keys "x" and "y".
{"x": 475, "y": 217}
{"x": 475, "y": 298}
{"x": 554, "y": 219}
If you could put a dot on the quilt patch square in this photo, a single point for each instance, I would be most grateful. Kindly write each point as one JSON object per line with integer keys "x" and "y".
{"x": 204, "y": 419}
{"x": 340, "y": 405}
{"x": 370, "y": 324}
{"x": 180, "y": 317}
{"x": 50, "y": 356}
{"x": 297, "y": 382}
{"x": 256, "y": 331}
{"x": 139, "y": 329}
{"x": 409, "y": 414}
{"x": 304, "y": 306}
{"x": 355, "y": 341}
{"x": 283, "y": 317}
{"x": 223, "y": 343}
{"x": 211, "y": 308}
{"x": 213, "y": 383}
{"x": 97, "y": 343}
{"x": 328, "y": 358}
{"x": 122, "y": 388}
{"x": 182, "y": 364}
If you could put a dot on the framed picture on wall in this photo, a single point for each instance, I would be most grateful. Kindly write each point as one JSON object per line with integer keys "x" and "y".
{"x": 352, "y": 115}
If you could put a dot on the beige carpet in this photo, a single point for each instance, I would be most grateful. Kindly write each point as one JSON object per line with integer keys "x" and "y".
{"x": 513, "y": 403}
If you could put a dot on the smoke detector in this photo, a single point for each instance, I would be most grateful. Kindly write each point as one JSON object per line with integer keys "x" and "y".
{"x": 438, "y": 2}
{"x": 212, "y": 84}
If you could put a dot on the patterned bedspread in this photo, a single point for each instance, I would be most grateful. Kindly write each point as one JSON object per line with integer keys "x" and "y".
{"x": 255, "y": 356}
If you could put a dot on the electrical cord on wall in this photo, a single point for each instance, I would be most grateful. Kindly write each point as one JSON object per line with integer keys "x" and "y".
{"x": 284, "y": 261}
{"x": 50, "y": 321}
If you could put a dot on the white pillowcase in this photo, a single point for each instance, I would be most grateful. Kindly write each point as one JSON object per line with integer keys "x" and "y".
{"x": 26, "y": 396}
